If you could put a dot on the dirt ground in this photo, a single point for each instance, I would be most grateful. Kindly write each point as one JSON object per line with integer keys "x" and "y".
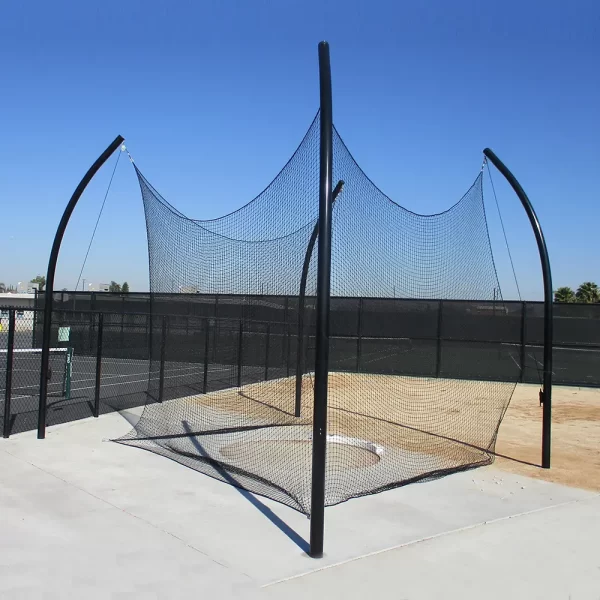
{"x": 429, "y": 415}
{"x": 575, "y": 459}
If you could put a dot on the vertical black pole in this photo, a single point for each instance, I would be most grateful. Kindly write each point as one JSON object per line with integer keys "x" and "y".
{"x": 9, "y": 369}
{"x": 163, "y": 351}
{"x": 47, "y": 328}
{"x": 288, "y": 335}
{"x": 240, "y": 352}
{"x": 286, "y": 338}
{"x": 35, "y": 305}
{"x": 438, "y": 358}
{"x": 91, "y": 332}
{"x": 91, "y": 307}
{"x": 149, "y": 337}
{"x": 217, "y": 329}
{"x": 546, "y": 395}
{"x": 359, "y": 335}
{"x": 267, "y": 351}
{"x": 123, "y": 322}
{"x": 523, "y": 333}
{"x": 317, "y": 510}
{"x": 98, "y": 364}
{"x": 206, "y": 351}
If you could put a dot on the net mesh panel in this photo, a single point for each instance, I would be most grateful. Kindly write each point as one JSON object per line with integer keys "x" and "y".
{"x": 224, "y": 404}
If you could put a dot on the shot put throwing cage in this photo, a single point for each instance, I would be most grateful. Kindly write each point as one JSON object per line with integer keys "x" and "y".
{"x": 322, "y": 235}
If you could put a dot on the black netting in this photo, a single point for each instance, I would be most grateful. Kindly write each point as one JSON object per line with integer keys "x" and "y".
{"x": 413, "y": 393}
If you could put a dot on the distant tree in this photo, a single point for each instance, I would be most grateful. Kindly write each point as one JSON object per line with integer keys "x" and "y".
{"x": 114, "y": 287}
{"x": 125, "y": 288}
{"x": 588, "y": 292}
{"x": 40, "y": 280}
{"x": 564, "y": 294}
{"x": 2, "y": 288}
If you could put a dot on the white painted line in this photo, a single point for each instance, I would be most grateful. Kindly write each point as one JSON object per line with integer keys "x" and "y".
{"x": 128, "y": 382}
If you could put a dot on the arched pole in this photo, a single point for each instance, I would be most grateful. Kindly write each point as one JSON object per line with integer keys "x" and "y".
{"x": 319, "y": 436}
{"x": 49, "y": 292}
{"x": 546, "y": 395}
{"x": 301, "y": 304}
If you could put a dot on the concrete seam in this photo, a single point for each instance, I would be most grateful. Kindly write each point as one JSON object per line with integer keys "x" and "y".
{"x": 432, "y": 537}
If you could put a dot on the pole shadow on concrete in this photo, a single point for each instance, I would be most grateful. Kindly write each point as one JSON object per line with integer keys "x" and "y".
{"x": 265, "y": 510}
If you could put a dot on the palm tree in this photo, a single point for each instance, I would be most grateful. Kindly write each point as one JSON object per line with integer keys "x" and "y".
{"x": 588, "y": 292}
{"x": 564, "y": 294}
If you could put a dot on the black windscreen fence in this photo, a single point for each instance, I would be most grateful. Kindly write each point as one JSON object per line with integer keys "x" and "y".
{"x": 442, "y": 338}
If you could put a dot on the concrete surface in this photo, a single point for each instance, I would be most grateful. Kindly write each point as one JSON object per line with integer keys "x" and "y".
{"x": 85, "y": 518}
{"x": 548, "y": 554}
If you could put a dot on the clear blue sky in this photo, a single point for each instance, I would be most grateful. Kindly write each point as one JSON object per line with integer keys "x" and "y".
{"x": 214, "y": 96}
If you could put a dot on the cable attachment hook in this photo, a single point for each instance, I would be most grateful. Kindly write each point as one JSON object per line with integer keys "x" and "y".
{"x": 124, "y": 149}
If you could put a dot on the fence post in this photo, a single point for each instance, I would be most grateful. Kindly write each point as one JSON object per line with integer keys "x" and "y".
{"x": 9, "y": 369}
{"x": 206, "y": 351}
{"x": 122, "y": 322}
{"x": 217, "y": 328}
{"x": 438, "y": 356}
{"x": 522, "y": 358}
{"x": 286, "y": 337}
{"x": 149, "y": 325}
{"x": 91, "y": 330}
{"x": 163, "y": 349}
{"x": 267, "y": 351}
{"x": 359, "y": 335}
{"x": 34, "y": 323}
{"x": 240, "y": 347}
{"x": 98, "y": 365}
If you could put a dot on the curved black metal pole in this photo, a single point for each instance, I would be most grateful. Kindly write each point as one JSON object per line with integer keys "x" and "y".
{"x": 546, "y": 395}
{"x": 301, "y": 304}
{"x": 48, "y": 296}
{"x": 319, "y": 437}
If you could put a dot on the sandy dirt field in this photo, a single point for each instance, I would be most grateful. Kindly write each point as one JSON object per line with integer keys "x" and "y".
{"x": 575, "y": 436}
{"x": 448, "y": 418}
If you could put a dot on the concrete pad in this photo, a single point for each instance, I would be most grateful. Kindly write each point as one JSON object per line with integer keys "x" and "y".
{"x": 59, "y": 541}
{"x": 548, "y": 554}
{"x": 251, "y": 539}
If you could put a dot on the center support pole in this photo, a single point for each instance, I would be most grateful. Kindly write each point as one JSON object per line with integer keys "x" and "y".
{"x": 317, "y": 510}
